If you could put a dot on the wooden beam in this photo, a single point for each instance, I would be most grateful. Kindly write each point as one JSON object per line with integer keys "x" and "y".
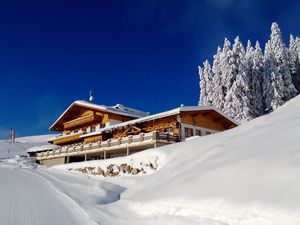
{"x": 93, "y": 138}
{"x": 132, "y": 130}
{"x": 67, "y": 139}
{"x": 80, "y": 121}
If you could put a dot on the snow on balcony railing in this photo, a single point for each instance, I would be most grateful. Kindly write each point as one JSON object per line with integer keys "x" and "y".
{"x": 111, "y": 144}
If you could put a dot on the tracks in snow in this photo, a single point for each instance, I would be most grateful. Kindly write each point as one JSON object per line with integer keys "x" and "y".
{"x": 28, "y": 199}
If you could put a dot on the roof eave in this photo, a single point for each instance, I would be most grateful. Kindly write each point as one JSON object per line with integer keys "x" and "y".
{"x": 93, "y": 106}
{"x": 78, "y": 102}
{"x": 199, "y": 108}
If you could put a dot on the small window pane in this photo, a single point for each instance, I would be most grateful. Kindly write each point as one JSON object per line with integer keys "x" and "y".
{"x": 188, "y": 132}
{"x": 198, "y": 132}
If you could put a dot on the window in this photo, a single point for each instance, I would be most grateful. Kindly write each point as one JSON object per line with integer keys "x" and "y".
{"x": 102, "y": 125}
{"x": 207, "y": 133}
{"x": 84, "y": 130}
{"x": 198, "y": 132}
{"x": 93, "y": 128}
{"x": 188, "y": 132}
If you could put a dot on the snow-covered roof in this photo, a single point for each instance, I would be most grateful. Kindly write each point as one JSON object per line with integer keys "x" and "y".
{"x": 172, "y": 112}
{"x": 117, "y": 109}
{"x": 166, "y": 114}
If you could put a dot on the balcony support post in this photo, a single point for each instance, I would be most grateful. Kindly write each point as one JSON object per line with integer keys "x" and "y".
{"x": 128, "y": 150}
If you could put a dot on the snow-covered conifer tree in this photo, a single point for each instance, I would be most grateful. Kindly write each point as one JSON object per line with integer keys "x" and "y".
{"x": 247, "y": 84}
{"x": 202, "y": 85}
{"x": 294, "y": 61}
{"x": 228, "y": 67}
{"x": 255, "y": 68}
{"x": 273, "y": 85}
{"x": 218, "y": 95}
{"x": 206, "y": 78}
{"x": 280, "y": 54}
{"x": 238, "y": 98}
{"x": 238, "y": 104}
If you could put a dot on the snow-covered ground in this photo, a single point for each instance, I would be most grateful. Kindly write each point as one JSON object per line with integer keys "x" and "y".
{"x": 29, "y": 198}
{"x": 249, "y": 175}
{"x": 22, "y": 143}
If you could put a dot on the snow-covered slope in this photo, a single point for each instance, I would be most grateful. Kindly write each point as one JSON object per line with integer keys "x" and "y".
{"x": 22, "y": 143}
{"x": 27, "y": 198}
{"x": 248, "y": 175}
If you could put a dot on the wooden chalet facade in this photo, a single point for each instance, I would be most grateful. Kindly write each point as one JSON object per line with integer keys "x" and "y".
{"x": 90, "y": 131}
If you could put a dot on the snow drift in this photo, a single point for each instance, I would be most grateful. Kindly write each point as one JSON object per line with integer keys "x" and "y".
{"x": 247, "y": 175}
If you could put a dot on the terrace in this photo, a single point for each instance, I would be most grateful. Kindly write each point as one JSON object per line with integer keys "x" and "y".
{"x": 109, "y": 148}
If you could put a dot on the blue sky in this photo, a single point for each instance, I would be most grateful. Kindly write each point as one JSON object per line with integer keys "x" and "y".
{"x": 140, "y": 53}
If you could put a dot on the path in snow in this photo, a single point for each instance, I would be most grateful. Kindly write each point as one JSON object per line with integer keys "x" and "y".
{"x": 28, "y": 199}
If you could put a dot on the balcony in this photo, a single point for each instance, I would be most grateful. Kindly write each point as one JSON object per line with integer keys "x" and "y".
{"x": 73, "y": 137}
{"x": 84, "y": 120}
{"x": 119, "y": 146}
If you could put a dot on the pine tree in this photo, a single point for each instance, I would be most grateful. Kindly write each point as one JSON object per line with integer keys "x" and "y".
{"x": 255, "y": 68}
{"x": 294, "y": 61}
{"x": 282, "y": 63}
{"x": 238, "y": 98}
{"x": 292, "y": 55}
{"x": 218, "y": 95}
{"x": 206, "y": 84}
{"x": 296, "y": 77}
{"x": 202, "y": 85}
{"x": 247, "y": 84}
{"x": 228, "y": 67}
{"x": 238, "y": 104}
{"x": 209, "y": 78}
{"x": 273, "y": 85}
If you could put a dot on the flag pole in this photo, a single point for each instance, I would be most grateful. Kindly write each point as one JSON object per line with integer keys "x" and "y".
{"x": 12, "y": 136}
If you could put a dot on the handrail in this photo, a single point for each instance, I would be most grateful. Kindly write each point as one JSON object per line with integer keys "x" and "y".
{"x": 140, "y": 138}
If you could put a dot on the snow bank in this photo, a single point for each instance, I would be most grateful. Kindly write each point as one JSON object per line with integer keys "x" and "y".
{"x": 28, "y": 198}
{"x": 248, "y": 175}
{"x": 141, "y": 163}
{"x": 245, "y": 176}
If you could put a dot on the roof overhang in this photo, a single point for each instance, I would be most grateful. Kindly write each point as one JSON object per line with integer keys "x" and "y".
{"x": 55, "y": 125}
{"x": 87, "y": 105}
{"x": 172, "y": 112}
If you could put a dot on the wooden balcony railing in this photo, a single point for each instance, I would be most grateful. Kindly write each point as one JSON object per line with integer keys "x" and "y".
{"x": 110, "y": 144}
{"x": 81, "y": 121}
{"x": 67, "y": 138}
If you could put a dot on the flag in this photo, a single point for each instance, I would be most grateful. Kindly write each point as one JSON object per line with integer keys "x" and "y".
{"x": 12, "y": 135}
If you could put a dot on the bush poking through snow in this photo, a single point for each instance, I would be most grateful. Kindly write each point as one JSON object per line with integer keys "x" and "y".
{"x": 113, "y": 170}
